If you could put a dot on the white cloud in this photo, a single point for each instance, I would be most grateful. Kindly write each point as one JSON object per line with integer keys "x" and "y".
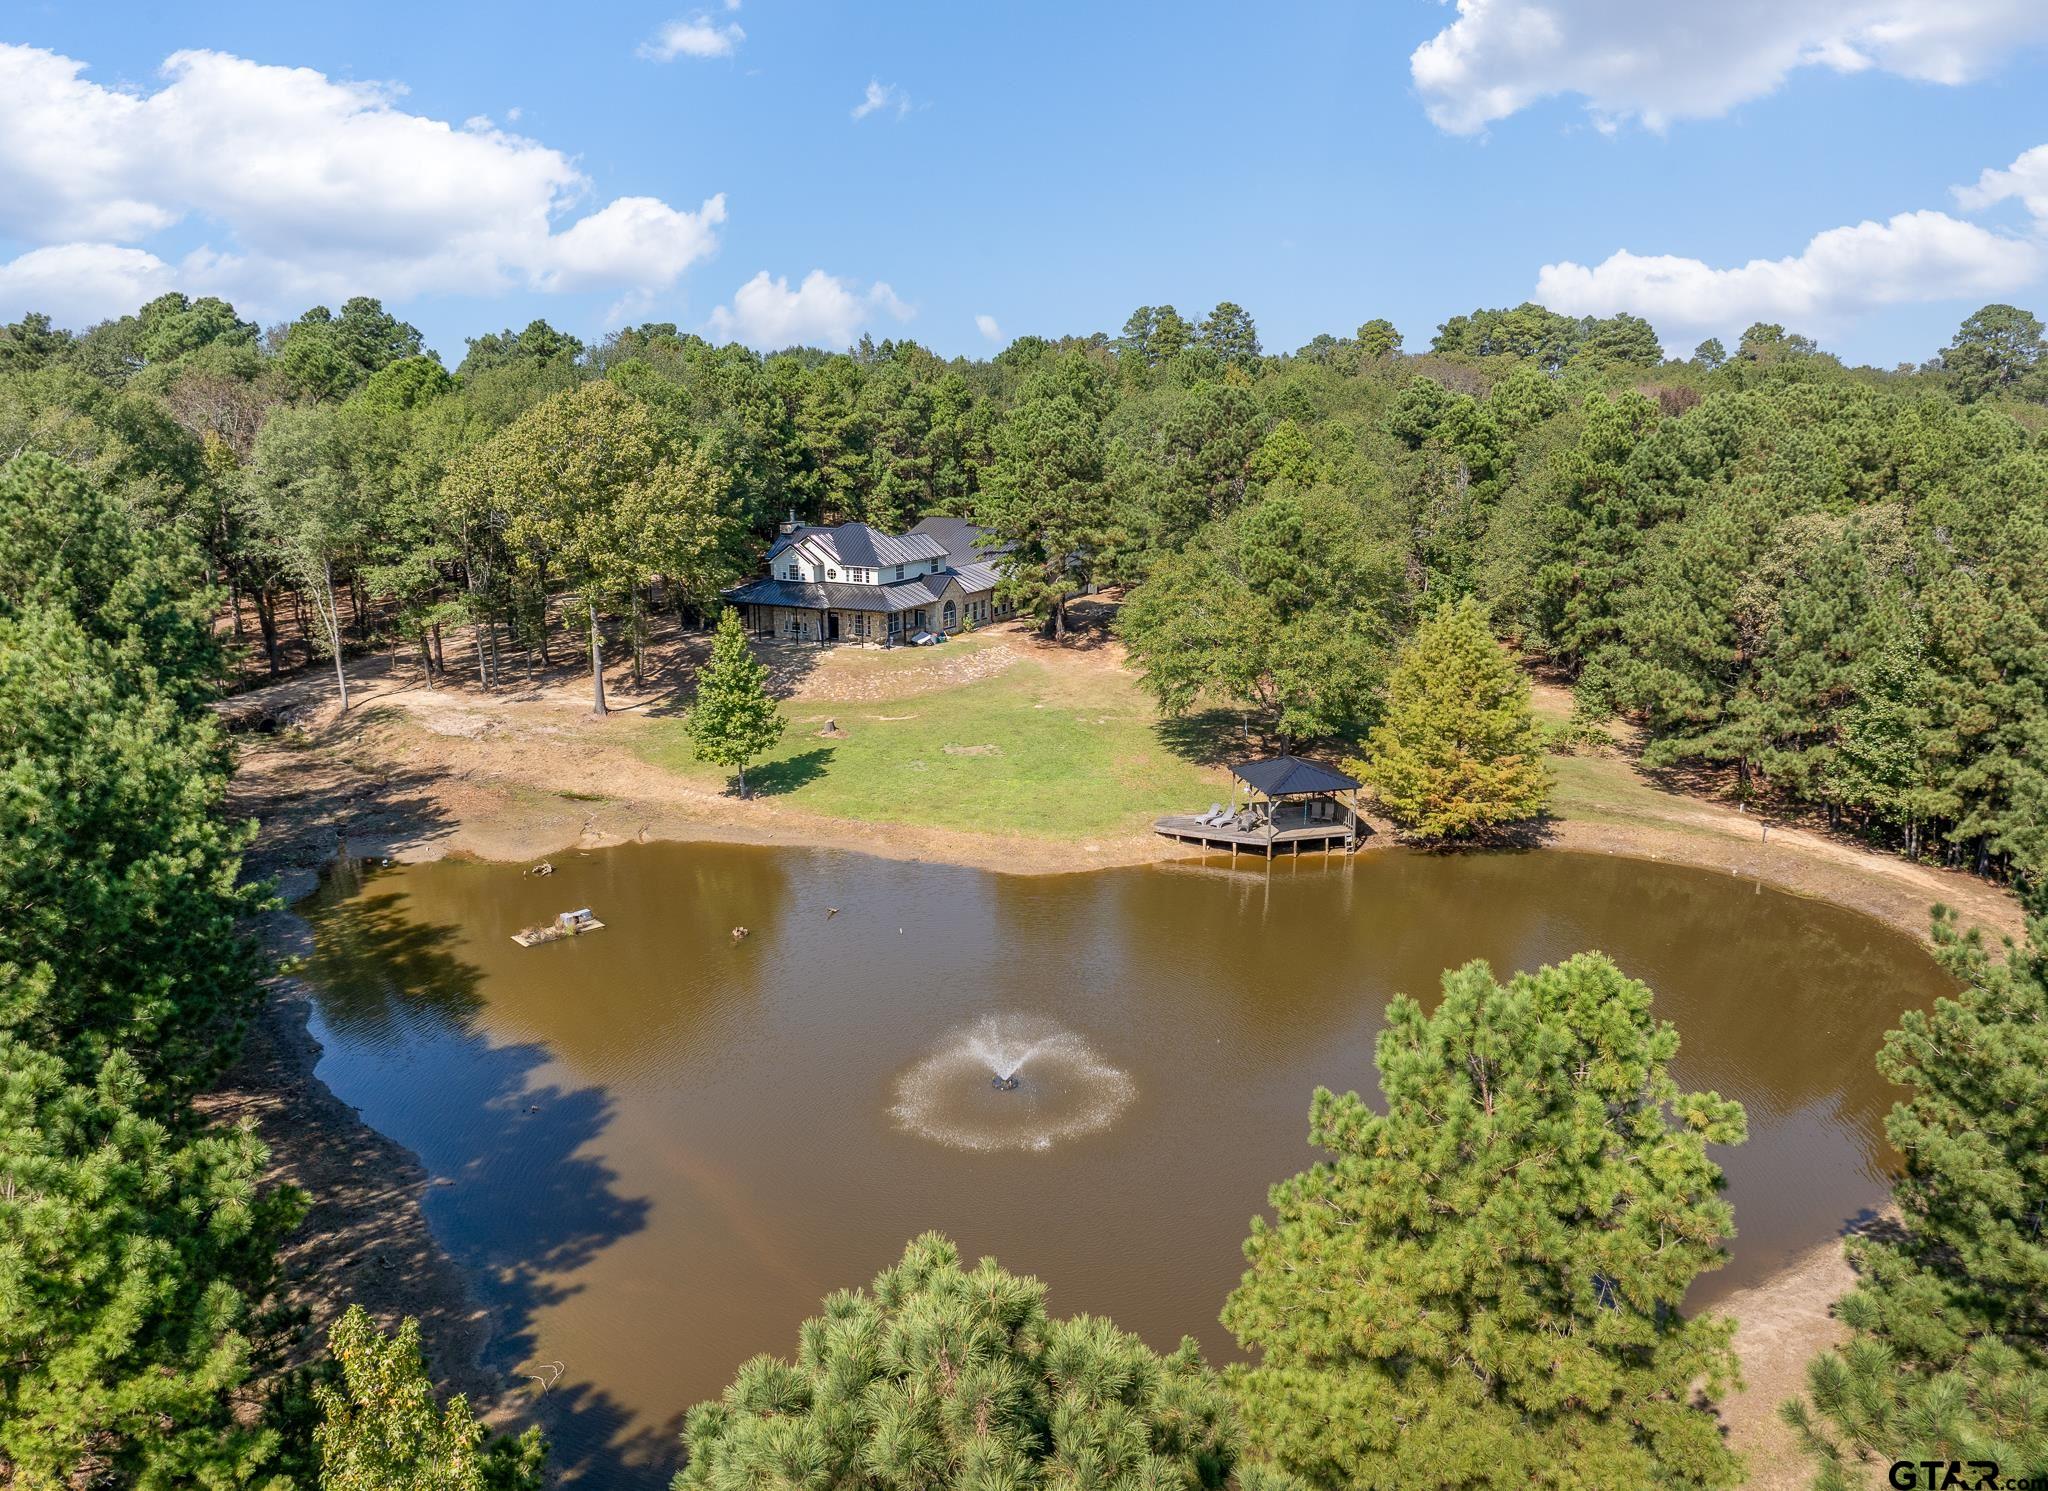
{"x": 1840, "y": 273}
{"x": 75, "y": 283}
{"x": 637, "y": 241}
{"x": 1657, "y": 62}
{"x": 2025, "y": 179}
{"x": 986, "y": 325}
{"x": 824, "y": 311}
{"x": 699, "y": 36}
{"x": 881, "y": 96}
{"x": 309, "y": 188}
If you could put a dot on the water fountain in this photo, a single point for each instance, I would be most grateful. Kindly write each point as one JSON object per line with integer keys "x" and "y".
{"x": 1052, "y": 1085}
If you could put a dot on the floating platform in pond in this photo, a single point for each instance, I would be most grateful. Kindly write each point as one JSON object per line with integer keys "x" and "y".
{"x": 568, "y": 924}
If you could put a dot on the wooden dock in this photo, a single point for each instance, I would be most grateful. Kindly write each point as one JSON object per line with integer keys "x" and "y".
{"x": 1284, "y": 838}
{"x": 1292, "y": 805}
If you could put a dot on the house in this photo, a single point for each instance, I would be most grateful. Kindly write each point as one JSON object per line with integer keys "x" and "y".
{"x": 854, "y": 583}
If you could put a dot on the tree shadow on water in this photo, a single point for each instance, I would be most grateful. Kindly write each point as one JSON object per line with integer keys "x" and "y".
{"x": 532, "y": 1203}
{"x": 377, "y": 970}
{"x": 521, "y": 1195}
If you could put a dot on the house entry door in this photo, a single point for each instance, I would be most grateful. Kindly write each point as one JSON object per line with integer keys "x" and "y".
{"x": 832, "y": 626}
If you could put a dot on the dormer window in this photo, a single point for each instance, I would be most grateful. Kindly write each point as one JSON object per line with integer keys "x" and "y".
{"x": 792, "y": 572}
{"x": 899, "y": 571}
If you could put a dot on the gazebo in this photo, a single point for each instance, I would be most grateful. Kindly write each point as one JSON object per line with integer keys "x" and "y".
{"x": 1288, "y": 803}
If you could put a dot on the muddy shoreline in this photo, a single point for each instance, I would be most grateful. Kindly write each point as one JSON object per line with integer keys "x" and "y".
{"x": 389, "y": 786}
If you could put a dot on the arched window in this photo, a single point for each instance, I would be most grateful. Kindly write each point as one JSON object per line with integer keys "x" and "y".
{"x": 952, "y": 614}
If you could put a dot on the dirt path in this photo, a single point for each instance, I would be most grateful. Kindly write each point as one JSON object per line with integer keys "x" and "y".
{"x": 416, "y": 774}
{"x": 1782, "y": 1324}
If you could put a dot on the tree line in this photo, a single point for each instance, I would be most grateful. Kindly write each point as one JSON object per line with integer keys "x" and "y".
{"x": 1820, "y": 587}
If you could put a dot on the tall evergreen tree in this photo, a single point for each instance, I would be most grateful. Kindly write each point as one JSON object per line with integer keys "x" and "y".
{"x": 1482, "y": 1286}
{"x": 136, "y": 1247}
{"x": 945, "y": 1377}
{"x": 733, "y": 719}
{"x": 1044, "y": 494}
{"x": 1948, "y": 1357}
{"x": 1457, "y": 753}
{"x": 1228, "y": 331}
{"x": 1998, "y": 350}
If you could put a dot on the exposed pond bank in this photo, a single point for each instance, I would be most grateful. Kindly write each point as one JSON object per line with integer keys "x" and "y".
{"x": 406, "y": 782}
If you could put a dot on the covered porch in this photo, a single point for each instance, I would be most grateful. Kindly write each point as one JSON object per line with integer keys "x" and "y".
{"x": 1281, "y": 804}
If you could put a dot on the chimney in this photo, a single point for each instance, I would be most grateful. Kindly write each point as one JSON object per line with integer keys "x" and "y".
{"x": 789, "y": 524}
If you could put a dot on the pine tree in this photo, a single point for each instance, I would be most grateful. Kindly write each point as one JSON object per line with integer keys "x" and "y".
{"x": 733, "y": 720}
{"x": 1458, "y": 753}
{"x": 1482, "y": 1287}
{"x": 1044, "y": 492}
{"x": 945, "y": 1378}
{"x": 136, "y": 1245}
{"x": 1949, "y": 1357}
{"x": 132, "y": 1256}
{"x": 381, "y": 1429}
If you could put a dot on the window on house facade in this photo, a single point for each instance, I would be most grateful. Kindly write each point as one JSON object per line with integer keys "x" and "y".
{"x": 899, "y": 571}
{"x": 792, "y": 572}
{"x": 831, "y": 574}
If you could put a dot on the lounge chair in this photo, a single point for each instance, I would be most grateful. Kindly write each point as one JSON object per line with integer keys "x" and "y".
{"x": 1214, "y": 816}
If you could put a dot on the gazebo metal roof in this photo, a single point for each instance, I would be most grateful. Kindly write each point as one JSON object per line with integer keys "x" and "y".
{"x": 1290, "y": 776}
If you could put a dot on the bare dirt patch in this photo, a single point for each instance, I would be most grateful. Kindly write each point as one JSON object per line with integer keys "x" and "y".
{"x": 1781, "y": 1325}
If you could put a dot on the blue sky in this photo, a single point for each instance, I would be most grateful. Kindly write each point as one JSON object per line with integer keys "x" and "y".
{"x": 1048, "y": 167}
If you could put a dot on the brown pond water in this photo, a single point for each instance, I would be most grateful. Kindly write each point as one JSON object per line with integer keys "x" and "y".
{"x": 663, "y": 1146}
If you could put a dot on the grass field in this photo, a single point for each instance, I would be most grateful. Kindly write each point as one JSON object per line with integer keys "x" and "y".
{"x": 1054, "y": 753}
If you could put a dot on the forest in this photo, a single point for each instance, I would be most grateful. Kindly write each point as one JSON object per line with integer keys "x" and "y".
{"x": 1822, "y": 588}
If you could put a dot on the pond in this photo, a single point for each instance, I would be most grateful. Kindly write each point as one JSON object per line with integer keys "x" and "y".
{"x": 658, "y": 1145}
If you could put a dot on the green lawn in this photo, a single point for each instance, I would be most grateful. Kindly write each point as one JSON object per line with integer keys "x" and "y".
{"x": 1055, "y": 754}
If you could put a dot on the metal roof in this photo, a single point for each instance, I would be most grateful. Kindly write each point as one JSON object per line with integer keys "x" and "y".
{"x": 965, "y": 543}
{"x": 906, "y": 595}
{"x": 863, "y": 545}
{"x": 975, "y": 578}
{"x": 1290, "y": 776}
